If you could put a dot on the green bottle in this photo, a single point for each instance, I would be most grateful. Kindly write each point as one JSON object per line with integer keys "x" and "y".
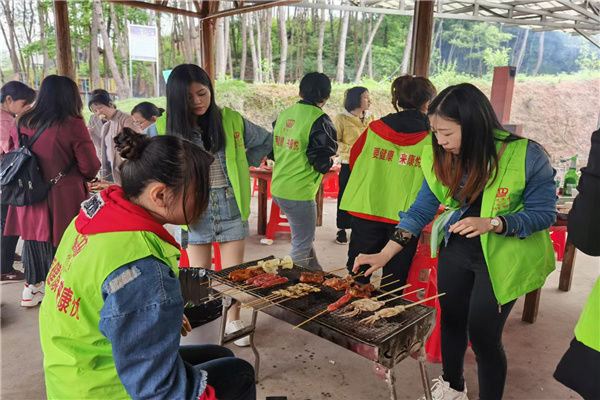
{"x": 571, "y": 178}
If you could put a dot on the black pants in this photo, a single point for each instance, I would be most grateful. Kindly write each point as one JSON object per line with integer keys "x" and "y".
{"x": 37, "y": 260}
{"x": 578, "y": 370}
{"x": 470, "y": 311}
{"x": 231, "y": 377}
{"x": 370, "y": 237}
{"x": 8, "y": 245}
{"x": 343, "y": 219}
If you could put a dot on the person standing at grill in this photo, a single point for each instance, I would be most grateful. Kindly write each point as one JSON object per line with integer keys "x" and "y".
{"x": 111, "y": 325}
{"x": 303, "y": 147}
{"x": 386, "y": 176}
{"x": 349, "y": 125}
{"x": 64, "y": 145}
{"x": 15, "y": 99}
{"x": 236, "y": 143}
{"x": 501, "y": 196}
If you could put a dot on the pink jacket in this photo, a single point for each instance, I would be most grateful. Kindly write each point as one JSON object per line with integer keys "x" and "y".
{"x": 8, "y": 140}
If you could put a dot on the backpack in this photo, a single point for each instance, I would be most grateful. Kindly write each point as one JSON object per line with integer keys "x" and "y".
{"x": 21, "y": 179}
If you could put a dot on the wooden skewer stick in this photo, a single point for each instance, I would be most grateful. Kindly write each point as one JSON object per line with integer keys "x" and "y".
{"x": 240, "y": 291}
{"x": 389, "y": 283}
{"x": 289, "y": 298}
{"x": 337, "y": 270}
{"x": 260, "y": 300}
{"x": 393, "y": 291}
{"x": 214, "y": 280}
{"x": 311, "y": 318}
{"x": 382, "y": 278}
{"x": 218, "y": 284}
{"x": 424, "y": 300}
{"x": 263, "y": 301}
{"x": 304, "y": 259}
{"x": 218, "y": 295}
{"x": 414, "y": 291}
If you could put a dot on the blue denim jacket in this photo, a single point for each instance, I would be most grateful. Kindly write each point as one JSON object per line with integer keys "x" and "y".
{"x": 258, "y": 142}
{"x": 539, "y": 198}
{"x": 142, "y": 320}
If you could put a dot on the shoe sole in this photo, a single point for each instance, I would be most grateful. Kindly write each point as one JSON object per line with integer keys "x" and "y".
{"x": 31, "y": 303}
{"x": 342, "y": 243}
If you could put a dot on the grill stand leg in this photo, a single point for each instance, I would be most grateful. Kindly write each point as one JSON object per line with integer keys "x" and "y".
{"x": 227, "y": 304}
{"x": 424, "y": 376}
{"x": 387, "y": 374}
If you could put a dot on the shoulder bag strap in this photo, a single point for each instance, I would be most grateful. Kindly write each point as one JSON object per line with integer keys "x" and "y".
{"x": 31, "y": 141}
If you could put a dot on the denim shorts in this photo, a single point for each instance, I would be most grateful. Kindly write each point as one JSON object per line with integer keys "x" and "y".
{"x": 221, "y": 222}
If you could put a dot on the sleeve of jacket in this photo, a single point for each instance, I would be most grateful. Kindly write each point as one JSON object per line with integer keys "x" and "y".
{"x": 584, "y": 218}
{"x": 338, "y": 122}
{"x": 322, "y": 144}
{"x": 258, "y": 142}
{"x": 85, "y": 152}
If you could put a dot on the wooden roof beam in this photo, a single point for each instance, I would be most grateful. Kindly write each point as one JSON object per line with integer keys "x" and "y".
{"x": 251, "y": 8}
{"x": 157, "y": 7}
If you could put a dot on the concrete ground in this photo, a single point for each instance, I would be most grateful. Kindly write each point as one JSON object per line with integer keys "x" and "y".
{"x": 300, "y": 366}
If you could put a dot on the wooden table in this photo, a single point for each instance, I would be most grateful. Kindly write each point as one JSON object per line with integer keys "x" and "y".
{"x": 532, "y": 299}
{"x": 265, "y": 175}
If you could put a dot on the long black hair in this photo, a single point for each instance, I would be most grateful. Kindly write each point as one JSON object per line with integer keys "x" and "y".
{"x": 470, "y": 108}
{"x": 57, "y": 100}
{"x": 181, "y": 121}
{"x": 17, "y": 91}
{"x": 178, "y": 164}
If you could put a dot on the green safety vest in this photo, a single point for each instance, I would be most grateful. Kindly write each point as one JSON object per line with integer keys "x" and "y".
{"x": 587, "y": 330}
{"x": 294, "y": 178}
{"x": 161, "y": 124}
{"x": 385, "y": 178}
{"x": 516, "y": 266}
{"x": 78, "y": 360}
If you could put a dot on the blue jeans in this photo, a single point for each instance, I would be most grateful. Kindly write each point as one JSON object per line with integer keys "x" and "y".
{"x": 232, "y": 378}
{"x": 302, "y": 216}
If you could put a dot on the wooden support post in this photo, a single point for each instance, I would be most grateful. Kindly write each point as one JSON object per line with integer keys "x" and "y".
{"x": 530, "y": 308}
{"x": 63, "y": 39}
{"x": 421, "y": 40}
{"x": 503, "y": 86}
{"x": 263, "y": 194}
{"x": 208, "y": 37}
{"x": 566, "y": 271}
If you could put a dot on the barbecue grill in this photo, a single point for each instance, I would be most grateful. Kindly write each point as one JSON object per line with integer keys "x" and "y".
{"x": 386, "y": 343}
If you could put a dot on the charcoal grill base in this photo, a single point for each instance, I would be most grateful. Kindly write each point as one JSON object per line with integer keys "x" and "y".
{"x": 386, "y": 344}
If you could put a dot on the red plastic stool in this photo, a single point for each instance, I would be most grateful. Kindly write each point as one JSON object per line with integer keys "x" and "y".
{"x": 184, "y": 261}
{"x": 559, "y": 240}
{"x": 420, "y": 270}
{"x": 433, "y": 347}
{"x": 277, "y": 222}
{"x": 331, "y": 188}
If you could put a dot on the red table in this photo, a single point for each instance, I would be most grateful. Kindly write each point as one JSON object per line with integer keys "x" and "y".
{"x": 264, "y": 175}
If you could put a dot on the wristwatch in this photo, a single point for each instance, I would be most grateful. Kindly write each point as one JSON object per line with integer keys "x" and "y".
{"x": 495, "y": 222}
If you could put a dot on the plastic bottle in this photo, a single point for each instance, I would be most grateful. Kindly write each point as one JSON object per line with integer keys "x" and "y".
{"x": 571, "y": 178}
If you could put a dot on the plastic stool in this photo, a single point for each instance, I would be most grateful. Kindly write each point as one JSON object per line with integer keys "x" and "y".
{"x": 559, "y": 240}
{"x": 331, "y": 188}
{"x": 184, "y": 261}
{"x": 276, "y": 222}
{"x": 433, "y": 347}
{"x": 421, "y": 263}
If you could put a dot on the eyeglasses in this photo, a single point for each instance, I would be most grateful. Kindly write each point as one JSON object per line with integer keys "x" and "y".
{"x": 139, "y": 123}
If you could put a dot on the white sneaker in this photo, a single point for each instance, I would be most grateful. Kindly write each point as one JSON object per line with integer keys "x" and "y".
{"x": 235, "y": 326}
{"x": 32, "y": 295}
{"x": 441, "y": 390}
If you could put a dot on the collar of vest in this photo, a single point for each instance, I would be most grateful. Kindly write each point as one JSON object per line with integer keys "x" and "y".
{"x": 110, "y": 211}
{"x": 402, "y": 139}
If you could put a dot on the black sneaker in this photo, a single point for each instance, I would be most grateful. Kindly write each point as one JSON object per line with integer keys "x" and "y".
{"x": 341, "y": 237}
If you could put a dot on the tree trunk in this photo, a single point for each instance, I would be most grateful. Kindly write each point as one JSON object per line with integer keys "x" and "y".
{"x": 94, "y": 54}
{"x": 522, "y": 51}
{"x": 269, "y": 43}
{"x": 173, "y": 41}
{"x": 407, "y": 48}
{"x": 355, "y": 37}
{"x": 228, "y": 43}
{"x": 256, "y": 76}
{"x": 244, "y": 46}
{"x": 367, "y": 49}
{"x": 370, "y": 59}
{"x": 281, "y": 24}
{"x": 321, "y": 40}
{"x": 258, "y": 46}
{"x": 122, "y": 48}
{"x": 187, "y": 38}
{"x": 342, "y": 49}
{"x": 291, "y": 60}
{"x": 302, "y": 47}
{"x": 42, "y": 18}
{"x": 333, "y": 44}
{"x": 540, "y": 55}
{"x": 220, "y": 61}
{"x": 10, "y": 40}
{"x": 122, "y": 88}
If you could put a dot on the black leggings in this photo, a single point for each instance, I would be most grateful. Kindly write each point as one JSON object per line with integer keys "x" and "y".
{"x": 231, "y": 377}
{"x": 343, "y": 218}
{"x": 470, "y": 311}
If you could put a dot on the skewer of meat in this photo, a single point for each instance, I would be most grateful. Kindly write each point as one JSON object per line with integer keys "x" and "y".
{"x": 312, "y": 277}
{"x": 393, "y": 311}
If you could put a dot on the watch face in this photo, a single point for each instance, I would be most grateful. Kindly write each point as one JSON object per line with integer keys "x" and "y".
{"x": 495, "y": 222}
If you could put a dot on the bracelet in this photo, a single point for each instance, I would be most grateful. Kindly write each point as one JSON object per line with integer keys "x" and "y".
{"x": 401, "y": 236}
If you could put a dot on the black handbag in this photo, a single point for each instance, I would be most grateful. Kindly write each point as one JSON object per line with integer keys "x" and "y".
{"x": 21, "y": 179}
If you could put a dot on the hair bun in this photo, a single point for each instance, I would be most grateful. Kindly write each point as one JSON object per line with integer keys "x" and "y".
{"x": 131, "y": 144}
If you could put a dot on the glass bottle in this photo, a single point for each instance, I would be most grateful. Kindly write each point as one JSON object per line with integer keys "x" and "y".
{"x": 571, "y": 178}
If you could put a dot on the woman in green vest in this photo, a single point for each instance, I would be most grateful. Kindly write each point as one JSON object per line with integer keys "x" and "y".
{"x": 501, "y": 198}
{"x": 386, "y": 176}
{"x": 236, "y": 143}
{"x": 303, "y": 146}
{"x": 111, "y": 321}
{"x": 349, "y": 124}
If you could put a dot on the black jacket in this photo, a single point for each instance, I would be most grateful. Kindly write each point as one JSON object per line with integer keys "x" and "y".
{"x": 322, "y": 142}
